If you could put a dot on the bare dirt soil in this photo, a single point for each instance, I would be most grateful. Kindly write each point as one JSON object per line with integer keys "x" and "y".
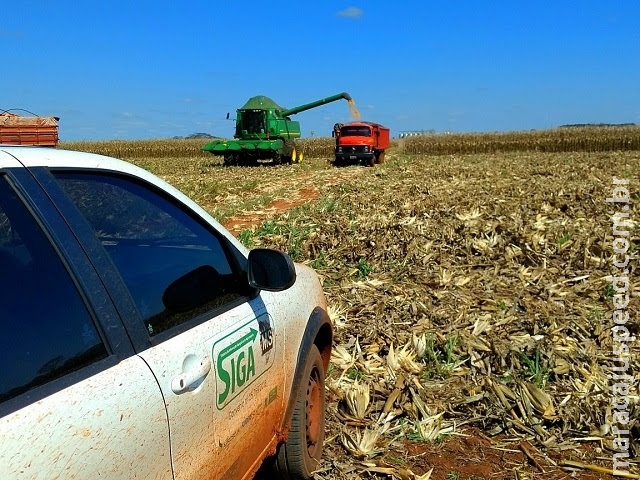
{"x": 248, "y": 220}
{"x": 289, "y": 190}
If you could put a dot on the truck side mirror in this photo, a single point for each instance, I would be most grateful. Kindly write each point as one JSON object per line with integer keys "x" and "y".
{"x": 270, "y": 270}
{"x": 333, "y": 134}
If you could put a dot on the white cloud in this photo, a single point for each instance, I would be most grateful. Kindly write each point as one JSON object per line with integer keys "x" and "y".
{"x": 351, "y": 12}
{"x": 197, "y": 100}
{"x": 454, "y": 115}
{"x": 126, "y": 115}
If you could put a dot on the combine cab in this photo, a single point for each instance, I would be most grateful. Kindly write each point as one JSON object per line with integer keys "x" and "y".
{"x": 23, "y": 130}
{"x": 264, "y": 132}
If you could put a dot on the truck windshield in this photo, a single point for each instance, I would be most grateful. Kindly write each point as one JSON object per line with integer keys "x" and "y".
{"x": 355, "y": 132}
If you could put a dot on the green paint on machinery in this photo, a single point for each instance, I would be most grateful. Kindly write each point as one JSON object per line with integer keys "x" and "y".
{"x": 264, "y": 131}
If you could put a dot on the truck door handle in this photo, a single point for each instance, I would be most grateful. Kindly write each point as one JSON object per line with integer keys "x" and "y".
{"x": 185, "y": 380}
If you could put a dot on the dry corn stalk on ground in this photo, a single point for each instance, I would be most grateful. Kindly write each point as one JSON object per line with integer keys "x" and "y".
{"x": 468, "y": 291}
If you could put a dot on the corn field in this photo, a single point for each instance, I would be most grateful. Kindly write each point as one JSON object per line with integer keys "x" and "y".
{"x": 568, "y": 139}
{"x": 581, "y": 139}
{"x": 132, "y": 149}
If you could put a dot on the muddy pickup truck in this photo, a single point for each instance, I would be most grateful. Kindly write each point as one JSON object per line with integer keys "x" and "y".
{"x": 140, "y": 339}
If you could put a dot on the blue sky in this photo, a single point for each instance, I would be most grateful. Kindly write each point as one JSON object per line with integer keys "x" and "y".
{"x": 155, "y": 69}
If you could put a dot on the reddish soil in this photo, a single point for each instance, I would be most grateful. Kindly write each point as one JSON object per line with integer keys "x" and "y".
{"x": 478, "y": 457}
{"x": 241, "y": 222}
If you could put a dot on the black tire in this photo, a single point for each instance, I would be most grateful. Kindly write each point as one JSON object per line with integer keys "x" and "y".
{"x": 300, "y": 455}
{"x": 286, "y": 157}
{"x": 372, "y": 161}
{"x": 230, "y": 160}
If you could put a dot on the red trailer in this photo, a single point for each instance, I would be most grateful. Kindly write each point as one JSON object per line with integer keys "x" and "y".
{"x": 22, "y": 130}
{"x": 363, "y": 142}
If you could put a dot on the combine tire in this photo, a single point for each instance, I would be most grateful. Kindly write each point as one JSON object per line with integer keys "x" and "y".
{"x": 230, "y": 160}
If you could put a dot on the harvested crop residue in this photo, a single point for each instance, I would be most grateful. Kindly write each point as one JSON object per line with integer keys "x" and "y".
{"x": 470, "y": 297}
{"x": 278, "y": 193}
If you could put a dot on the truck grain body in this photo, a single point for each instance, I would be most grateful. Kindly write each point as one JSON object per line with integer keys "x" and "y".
{"x": 19, "y": 130}
{"x": 362, "y": 142}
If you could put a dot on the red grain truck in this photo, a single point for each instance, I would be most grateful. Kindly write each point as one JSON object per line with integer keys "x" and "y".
{"x": 360, "y": 142}
{"x": 19, "y": 130}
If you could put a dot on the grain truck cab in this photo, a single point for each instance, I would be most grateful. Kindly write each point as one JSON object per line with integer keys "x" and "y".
{"x": 362, "y": 142}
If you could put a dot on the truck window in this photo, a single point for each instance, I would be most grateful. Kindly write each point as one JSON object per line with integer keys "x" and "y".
{"x": 47, "y": 330}
{"x": 355, "y": 132}
{"x": 159, "y": 249}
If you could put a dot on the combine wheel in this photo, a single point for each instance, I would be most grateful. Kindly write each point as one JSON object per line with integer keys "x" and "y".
{"x": 285, "y": 160}
{"x": 288, "y": 158}
{"x": 246, "y": 160}
{"x": 230, "y": 160}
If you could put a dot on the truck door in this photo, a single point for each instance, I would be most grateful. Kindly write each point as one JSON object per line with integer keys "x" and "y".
{"x": 209, "y": 341}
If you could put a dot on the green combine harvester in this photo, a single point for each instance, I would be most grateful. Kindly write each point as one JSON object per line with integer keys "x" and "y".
{"x": 265, "y": 133}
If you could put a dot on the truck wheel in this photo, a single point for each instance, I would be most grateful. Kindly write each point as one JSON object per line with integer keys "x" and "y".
{"x": 380, "y": 157}
{"x": 300, "y": 455}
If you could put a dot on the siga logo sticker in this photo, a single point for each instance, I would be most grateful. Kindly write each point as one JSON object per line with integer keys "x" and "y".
{"x": 240, "y": 360}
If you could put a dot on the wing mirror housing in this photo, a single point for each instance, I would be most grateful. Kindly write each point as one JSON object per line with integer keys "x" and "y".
{"x": 270, "y": 270}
